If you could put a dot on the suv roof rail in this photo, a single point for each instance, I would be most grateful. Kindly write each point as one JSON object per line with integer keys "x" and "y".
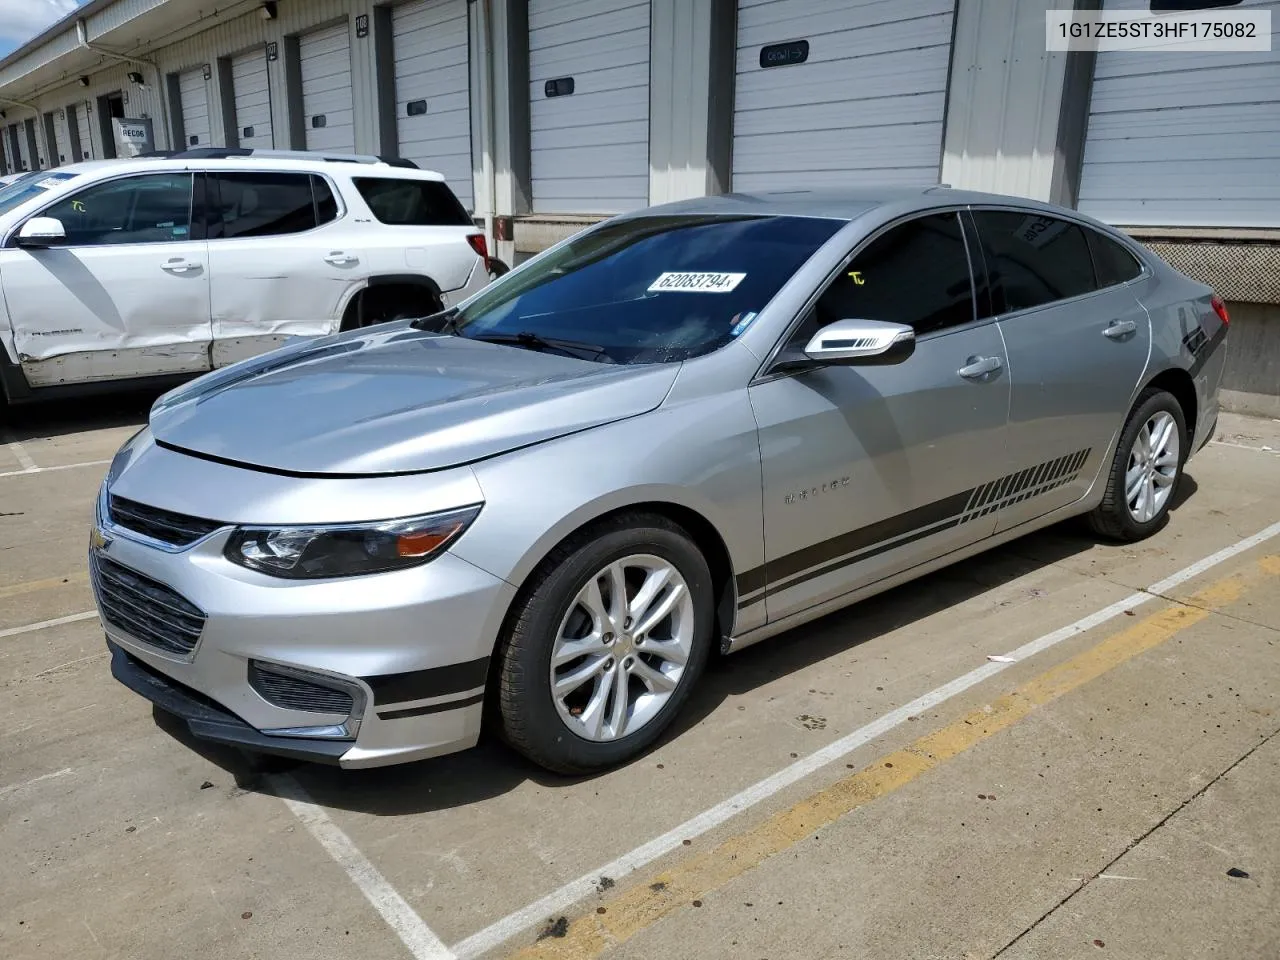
{"x": 224, "y": 153}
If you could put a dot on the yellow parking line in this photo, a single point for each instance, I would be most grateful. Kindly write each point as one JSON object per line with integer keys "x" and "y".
{"x": 640, "y": 906}
{"x": 35, "y": 586}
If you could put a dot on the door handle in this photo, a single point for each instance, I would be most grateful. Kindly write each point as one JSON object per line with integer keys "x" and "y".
{"x": 979, "y": 367}
{"x": 340, "y": 259}
{"x": 178, "y": 265}
{"x": 1119, "y": 329}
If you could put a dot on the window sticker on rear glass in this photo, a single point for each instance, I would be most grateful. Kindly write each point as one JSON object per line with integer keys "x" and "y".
{"x": 696, "y": 282}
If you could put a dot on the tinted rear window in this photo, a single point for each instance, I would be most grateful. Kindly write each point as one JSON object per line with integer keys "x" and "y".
{"x": 267, "y": 204}
{"x": 412, "y": 203}
{"x": 1033, "y": 259}
{"x": 1113, "y": 262}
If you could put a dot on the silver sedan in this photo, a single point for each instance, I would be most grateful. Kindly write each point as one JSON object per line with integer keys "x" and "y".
{"x": 675, "y": 434}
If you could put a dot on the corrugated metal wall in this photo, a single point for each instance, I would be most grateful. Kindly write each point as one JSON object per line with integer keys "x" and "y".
{"x": 1185, "y": 139}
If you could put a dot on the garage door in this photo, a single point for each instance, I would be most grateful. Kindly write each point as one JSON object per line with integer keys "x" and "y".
{"x": 62, "y": 138}
{"x": 850, "y": 92}
{"x": 193, "y": 89}
{"x": 1185, "y": 139}
{"x": 82, "y": 128}
{"x": 433, "y": 90}
{"x": 26, "y": 138}
{"x": 589, "y": 107}
{"x": 326, "y": 90}
{"x": 251, "y": 87}
{"x": 10, "y": 157}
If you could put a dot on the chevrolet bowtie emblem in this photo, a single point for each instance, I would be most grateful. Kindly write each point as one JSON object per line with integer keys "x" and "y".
{"x": 98, "y": 540}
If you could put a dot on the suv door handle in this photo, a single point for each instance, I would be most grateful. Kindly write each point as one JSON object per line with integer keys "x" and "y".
{"x": 979, "y": 367}
{"x": 1119, "y": 329}
{"x": 340, "y": 259}
{"x": 179, "y": 265}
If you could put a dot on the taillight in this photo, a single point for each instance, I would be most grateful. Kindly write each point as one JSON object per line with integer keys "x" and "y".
{"x": 1215, "y": 301}
{"x": 480, "y": 245}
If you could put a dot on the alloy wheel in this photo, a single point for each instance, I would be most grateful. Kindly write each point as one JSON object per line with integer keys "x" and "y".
{"x": 622, "y": 647}
{"x": 1153, "y": 467}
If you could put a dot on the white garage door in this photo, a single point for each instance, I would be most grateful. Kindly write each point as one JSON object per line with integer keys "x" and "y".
{"x": 82, "y": 128}
{"x": 62, "y": 138}
{"x": 251, "y": 86}
{"x": 433, "y": 89}
{"x": 25, "y": 131}
{"x": 858, "y": 94}
{"x": 194, "y": 91}
{"x": 1185, "y": 139}
{"x": 10, "y": 158}
{"x": 326, "y": 90}
{"x": 589, "y": 138}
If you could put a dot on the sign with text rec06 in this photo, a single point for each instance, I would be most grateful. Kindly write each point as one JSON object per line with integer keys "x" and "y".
{"x": 1229, "y": 31}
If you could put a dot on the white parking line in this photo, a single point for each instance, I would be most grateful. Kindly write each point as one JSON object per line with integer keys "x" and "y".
{"x": 1244, "y": 446}
{"x": 498, "y": 933}
{"x": 30, "y": 627}
{"x": 400, "y": 917}
{"x": 15, "y": 787}
{"x": 62, "y": 466}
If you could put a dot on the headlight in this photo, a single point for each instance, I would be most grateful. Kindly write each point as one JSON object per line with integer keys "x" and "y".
{"x": 346, "y": 550}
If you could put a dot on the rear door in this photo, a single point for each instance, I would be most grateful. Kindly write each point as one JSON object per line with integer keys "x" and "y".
{"x": 127, "y": 295}
{"x": 1077, "y": 352}
{"x": 869, "y": 470}
{"x": 277, "y": 271}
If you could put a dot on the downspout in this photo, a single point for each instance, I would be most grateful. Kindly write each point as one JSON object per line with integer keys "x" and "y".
{"x": 82, "y": 34}
{"x": 487, "y": 128}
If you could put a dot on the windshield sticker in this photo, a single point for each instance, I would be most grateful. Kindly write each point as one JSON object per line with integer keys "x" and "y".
{"x": 696, "y": 282}
{"x": 48, "y": 183}
{"x": 743, "y": 320}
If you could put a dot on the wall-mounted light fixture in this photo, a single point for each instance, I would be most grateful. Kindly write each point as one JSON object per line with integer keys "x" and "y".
{"x": 268, "y": 10}
{"x": 135, "y": 77}
{"x": 84, "y": 81}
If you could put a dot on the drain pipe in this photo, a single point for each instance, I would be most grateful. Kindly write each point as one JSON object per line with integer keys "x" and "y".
{"x": 487, "y": 136}
{"x": 82, "y": 34}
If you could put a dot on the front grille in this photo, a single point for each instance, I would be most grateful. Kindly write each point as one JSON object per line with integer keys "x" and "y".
{"x": 295, "y": 693}
{"x": 145, "y": 609}
{"x": 175, "y": 529}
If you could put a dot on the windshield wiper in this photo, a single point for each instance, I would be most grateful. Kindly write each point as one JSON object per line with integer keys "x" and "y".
{"x": 534, "y": 341}
{"x": 441, "y": 322}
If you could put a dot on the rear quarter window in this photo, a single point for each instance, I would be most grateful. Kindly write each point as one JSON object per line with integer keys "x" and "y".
{"x": 1113, "y": 263}
{"x": 412, "y": 203}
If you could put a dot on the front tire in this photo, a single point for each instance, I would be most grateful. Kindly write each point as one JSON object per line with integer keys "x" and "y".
{"x": 606, "y": 646}
{"x": 1145, "y": 470}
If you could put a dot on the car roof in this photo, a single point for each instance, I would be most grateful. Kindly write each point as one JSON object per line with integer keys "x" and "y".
{"x": 356, "y": 166}
{"x": 842, "y": 204}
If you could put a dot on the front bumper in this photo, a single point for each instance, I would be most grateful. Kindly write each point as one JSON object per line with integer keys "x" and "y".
{"x": 413, "y": 644}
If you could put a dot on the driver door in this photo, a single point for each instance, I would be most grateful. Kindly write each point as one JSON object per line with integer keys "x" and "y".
{"x": 870, "y": 470}
{"x": 126, "y": 294}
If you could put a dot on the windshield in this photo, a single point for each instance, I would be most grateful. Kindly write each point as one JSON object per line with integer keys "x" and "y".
{"x": 648, "y": 290}
{"x": 30, "y": 186}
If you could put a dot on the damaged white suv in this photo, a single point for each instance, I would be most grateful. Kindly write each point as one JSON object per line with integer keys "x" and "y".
{"x": 167, "y": 267}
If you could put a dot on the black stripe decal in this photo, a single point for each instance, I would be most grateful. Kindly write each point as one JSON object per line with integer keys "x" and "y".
{"x": 882, "y": 536}
{"x": 430, "y": 708}
{"x": 425, "y": 684}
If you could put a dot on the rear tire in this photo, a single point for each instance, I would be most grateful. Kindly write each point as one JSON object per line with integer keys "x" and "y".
{"x": 561, "y": 726}
{"x": 1145, "y": 470}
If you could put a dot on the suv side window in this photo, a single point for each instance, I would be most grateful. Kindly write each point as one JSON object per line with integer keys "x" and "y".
{"x": 267, "y": 204}
{"x": 152, "y": 208}
{"x": 412, "y": 203}
{"x": 1033, "y": 259}
{"x": 917, "y": 273}
{"x": 1112, "y": 262}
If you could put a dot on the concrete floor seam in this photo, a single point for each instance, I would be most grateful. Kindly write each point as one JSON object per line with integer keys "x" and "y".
{"x": 1135, "y": 842}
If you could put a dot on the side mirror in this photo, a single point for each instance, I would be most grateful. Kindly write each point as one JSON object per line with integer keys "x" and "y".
{"x": 861, "y": 343}
{"x": 40, "y": 232}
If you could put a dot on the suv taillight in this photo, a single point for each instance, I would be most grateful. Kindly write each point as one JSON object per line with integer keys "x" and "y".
{"x": 1215, "y": 301}
{"x": 480, "y": 246}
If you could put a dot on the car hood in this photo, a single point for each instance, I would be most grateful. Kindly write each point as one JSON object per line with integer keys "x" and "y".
{"x": 397, "y": 400}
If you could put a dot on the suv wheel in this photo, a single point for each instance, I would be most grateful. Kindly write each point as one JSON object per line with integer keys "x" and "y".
{"x": 1145, "y": 471}
{"x": 606, "y": 647}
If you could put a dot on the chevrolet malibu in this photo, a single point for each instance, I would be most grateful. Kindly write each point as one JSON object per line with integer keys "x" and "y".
{"x": 682, "y": 431}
